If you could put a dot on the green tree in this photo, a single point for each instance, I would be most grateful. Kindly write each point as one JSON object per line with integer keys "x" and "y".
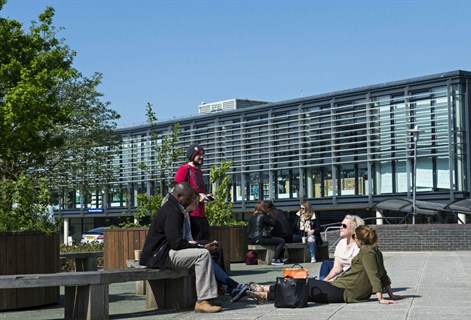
{"x": 23, "y": 205}
{"x": 219, "y": 211}
{"x": 84, "y": 161}
{"x": 54, "y": 128}
{"x": 32, "y": 65}
{"x": 165, "y": 151}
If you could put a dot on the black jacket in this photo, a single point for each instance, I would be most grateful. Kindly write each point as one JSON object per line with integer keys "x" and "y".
{"x": 165, "y": 233}
{"x": 260, "y": 226}
{"x": 314, "y": 224}
{"x": 282, "y": 228}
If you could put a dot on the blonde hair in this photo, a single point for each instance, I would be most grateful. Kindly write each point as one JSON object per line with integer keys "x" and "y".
{"x": 308, "y": 212}
{"x": 355, "y": 222}
{"x": 366, "y": 235}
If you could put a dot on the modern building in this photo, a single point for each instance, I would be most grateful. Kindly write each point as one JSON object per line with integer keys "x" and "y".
{"x": 343, "y": 151}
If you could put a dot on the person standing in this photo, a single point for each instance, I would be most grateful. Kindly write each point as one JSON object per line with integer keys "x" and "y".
{"x": 191, "y": 172}
{"x": 165, "y": 246}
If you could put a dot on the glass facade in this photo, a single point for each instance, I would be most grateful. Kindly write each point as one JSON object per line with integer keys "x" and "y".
{"x": 340, "y": 150}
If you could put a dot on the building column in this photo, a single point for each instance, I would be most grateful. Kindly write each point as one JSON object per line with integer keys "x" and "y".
{"x": 66, "y": 230}
{"x": 462, "y": 216}
{"x": 309, "y": 184}
{"x": 380, "y": 216}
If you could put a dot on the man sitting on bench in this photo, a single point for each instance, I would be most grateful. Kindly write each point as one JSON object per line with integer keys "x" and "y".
{"x": 165, "y": 247}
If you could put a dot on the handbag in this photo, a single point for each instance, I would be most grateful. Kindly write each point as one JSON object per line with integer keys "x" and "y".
{"x": 251, "y": 258}
{"x": 296, "y": 273}
{"x": 291, "y": 293}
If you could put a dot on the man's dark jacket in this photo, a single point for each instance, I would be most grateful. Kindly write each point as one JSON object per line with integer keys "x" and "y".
{"x": 165, "y": 233}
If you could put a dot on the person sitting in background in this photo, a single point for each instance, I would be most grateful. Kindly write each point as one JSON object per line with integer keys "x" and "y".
{"x": 368, "y": 275}
{"x": 345, "y": 250}
{"x": 306, "y": 225}
{"x": 282, "y": 228}
{"x": 260, "y": 225}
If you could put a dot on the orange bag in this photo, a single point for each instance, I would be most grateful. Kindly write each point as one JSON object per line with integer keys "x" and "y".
{"x": 296, "y": 273}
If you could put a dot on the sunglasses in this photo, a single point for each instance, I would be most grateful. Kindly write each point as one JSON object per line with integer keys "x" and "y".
{"x": 302, "y": 208}
{"x": 344, "y": 226}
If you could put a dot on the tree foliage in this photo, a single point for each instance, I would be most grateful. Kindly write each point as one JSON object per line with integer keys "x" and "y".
{"x": 90, "y": 139}
{"x": 219, "y": 211}
{"x": 54, "y": 128}
{"x": 165, "y": 151}
{"x": 32, "y": 65}
{"x": 23, "y": 205}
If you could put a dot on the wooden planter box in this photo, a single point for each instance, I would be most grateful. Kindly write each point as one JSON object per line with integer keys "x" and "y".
{"x": 233, "y": 240}
{"x": 239, "y": 243}
{"x": 28, "y": 253}
{"x": 120, "y": 245}
{"x": 222, "y": 235}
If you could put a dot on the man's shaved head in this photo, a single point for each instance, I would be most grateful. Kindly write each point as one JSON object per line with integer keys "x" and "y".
{"x": 183, "y": 188}
{"x": 184, "y": 193}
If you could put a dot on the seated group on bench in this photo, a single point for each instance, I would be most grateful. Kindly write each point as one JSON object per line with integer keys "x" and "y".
{"x": 169, "y": 245}
{"x": 270, "y": 226}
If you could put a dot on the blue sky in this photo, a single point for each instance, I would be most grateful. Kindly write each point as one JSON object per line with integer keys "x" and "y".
{"x": 176, "y": 54}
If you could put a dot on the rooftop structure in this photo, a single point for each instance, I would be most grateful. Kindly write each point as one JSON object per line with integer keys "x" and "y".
{"x": 226, "y": 105}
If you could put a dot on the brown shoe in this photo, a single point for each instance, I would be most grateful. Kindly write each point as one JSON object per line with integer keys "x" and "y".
{"x": 205, "y": 307}
{"x": 215, "y": 302}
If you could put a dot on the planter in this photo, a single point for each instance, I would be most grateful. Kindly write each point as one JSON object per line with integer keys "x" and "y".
{"x": 28, "y": 253}
{"x": 239, "y": 243}
{"x": 120, "y": 245}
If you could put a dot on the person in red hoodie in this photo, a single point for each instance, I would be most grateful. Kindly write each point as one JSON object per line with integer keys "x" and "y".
{"x": 191, "y": 172}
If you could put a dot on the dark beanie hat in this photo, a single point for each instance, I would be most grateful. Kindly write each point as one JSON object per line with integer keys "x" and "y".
{"x": 193, "y": 150}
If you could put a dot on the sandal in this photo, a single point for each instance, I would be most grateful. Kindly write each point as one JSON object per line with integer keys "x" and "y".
{"x": 255, "y": 287}
{"x": 257, "y": 297}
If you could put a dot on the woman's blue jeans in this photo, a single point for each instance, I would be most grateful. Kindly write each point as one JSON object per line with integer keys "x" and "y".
{"x": 219, "y": 273}
{"x": 312, "y": 245}
{"x": 326, "y": 266}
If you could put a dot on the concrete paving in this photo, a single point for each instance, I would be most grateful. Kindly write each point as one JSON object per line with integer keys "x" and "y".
{"x": 438, "y": 283}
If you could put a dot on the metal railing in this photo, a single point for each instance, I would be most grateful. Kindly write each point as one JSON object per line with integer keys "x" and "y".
{"x": 335, "y": 226}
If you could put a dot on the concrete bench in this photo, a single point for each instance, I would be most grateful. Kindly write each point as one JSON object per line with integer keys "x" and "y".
{"x": 86, "y": 293}
{"x": 297, "y": 252}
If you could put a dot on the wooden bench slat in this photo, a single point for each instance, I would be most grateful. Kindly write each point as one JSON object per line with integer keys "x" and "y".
{"x": 87, "y": 278}
{"x": 112, "y": 276}
{"x": 48, "y": 280}
{"x": 81, "y": 255}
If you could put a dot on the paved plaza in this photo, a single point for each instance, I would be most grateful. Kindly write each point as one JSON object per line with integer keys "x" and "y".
{"x": 438, "y": 283}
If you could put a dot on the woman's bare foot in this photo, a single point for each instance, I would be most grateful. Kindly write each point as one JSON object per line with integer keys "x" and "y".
{"x": 255, "y": 287}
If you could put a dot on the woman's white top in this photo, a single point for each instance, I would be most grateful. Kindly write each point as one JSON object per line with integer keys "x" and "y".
{"x": 345, "y": 253}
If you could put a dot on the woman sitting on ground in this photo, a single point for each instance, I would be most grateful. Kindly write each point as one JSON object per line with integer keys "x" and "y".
{"x": 367, "y": 275}
{"x": 345, "y": 250}
{"x": 260, "y": 225}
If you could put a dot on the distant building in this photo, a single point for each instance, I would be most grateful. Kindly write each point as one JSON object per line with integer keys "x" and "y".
{"x": 343, "y": 151}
